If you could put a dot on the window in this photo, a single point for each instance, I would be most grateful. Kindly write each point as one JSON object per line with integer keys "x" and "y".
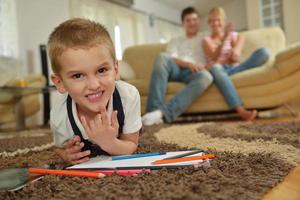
{"x": 8, "y": 29}
{"x": 271, "y": 13}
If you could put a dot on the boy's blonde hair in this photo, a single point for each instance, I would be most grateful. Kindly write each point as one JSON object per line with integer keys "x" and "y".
{"x": 77, "y": 33}
{"x": 217, "y": 11}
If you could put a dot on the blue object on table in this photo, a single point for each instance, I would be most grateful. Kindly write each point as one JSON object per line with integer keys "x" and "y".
{"x": 137, "y": 155}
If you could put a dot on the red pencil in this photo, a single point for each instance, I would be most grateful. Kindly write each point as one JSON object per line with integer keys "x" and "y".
{"x": 89, "y": 174}
{"x": 191, "y": 158}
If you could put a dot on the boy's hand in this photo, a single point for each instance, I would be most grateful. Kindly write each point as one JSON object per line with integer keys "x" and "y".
{"x": 72, "y": 151}
{"x": 101, "y": 129}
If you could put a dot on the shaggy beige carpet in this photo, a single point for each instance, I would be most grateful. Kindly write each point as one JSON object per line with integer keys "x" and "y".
{"x": 251, "y": 159}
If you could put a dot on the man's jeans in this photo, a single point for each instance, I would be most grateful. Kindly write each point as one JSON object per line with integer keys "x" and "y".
{"x": 164, "y": 70}
{"x": 221, "y": 75}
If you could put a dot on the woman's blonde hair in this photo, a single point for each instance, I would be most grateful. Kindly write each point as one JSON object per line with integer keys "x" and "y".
{"x": 77, "y": 33}
{"x": 217, "y": 11}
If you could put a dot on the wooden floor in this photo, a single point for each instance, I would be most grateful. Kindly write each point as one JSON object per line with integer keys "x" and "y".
{"x": 289, "y": 189}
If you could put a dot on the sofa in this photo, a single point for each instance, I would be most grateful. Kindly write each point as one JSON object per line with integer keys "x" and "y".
{"x": 8, "y": 100}
{"x": 275, "y": 83}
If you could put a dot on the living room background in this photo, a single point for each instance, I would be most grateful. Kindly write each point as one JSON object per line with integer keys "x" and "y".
{"x": 24, "y": 25}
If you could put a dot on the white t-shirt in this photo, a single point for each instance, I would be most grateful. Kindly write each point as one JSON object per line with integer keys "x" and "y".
{"x": 61, "y": 126}
{"x": 187, "y": 49}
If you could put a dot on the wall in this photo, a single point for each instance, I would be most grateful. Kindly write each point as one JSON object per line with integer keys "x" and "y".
{"x": 235, "y": 11}
{"x": 253, "y": 14}
{"x": 290, "y": 15}
{"x": 160, "y": 10}
{"x": 36, "y": 19}
{"x": 291, "y": 25}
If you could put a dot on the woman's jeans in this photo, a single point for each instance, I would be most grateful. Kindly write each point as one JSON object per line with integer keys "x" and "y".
{"x": 164, "y": 70}
{"x": 221, "y": 75}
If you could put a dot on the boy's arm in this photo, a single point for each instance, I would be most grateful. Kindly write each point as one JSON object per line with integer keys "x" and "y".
{"x": 71, "y": 152}
{"x": 127, "y": 144}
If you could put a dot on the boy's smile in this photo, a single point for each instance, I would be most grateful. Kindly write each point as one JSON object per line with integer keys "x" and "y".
{"x": 88, "y": 74}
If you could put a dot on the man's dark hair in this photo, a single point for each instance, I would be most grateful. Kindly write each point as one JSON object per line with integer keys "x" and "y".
{"x": 187, "y": 11}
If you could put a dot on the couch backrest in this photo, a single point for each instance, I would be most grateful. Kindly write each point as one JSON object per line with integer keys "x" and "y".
{"x": 141, "y": 57}
{"x": 271, "y": 38}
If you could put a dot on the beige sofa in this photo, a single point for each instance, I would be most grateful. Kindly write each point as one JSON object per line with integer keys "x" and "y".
{"x": 9, "y": 100}
{"x": 271, "y": 85}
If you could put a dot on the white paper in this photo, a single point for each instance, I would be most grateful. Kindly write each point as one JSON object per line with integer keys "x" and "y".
{"x": 106, "y": 162}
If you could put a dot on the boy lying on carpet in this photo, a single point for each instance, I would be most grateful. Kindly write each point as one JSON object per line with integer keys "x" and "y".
{"x": 96, "y": 113}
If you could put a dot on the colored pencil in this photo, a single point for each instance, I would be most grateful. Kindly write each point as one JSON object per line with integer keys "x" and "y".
{"x": 183, "y": 155}
{"x": 176, "y": 160}
{"x": 89, "y": 174}
{"x": 124, "y": 172}
{"x": 137, "y": 156}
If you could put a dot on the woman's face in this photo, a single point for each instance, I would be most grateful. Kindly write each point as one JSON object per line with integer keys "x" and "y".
{"x": 216, "y": 23}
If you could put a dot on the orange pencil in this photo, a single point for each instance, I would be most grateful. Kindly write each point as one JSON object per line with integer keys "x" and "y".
{"x": 191, "y": 158}
{"x": 66, "y": 172}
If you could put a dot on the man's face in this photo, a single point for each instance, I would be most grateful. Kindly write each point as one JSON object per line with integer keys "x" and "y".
{"x": 191, "y": 23}
{"x": 88, "y": 75}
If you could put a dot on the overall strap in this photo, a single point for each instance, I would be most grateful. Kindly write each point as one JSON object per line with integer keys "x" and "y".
{"x": 117, "y": 105}
{"x": 94, "y": 148}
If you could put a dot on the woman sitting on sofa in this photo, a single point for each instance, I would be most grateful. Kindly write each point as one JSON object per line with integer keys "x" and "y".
{"x": 223, "y": 50}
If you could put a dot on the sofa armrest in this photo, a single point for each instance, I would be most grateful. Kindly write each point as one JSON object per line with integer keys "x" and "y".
{"x": 288, "y": 60}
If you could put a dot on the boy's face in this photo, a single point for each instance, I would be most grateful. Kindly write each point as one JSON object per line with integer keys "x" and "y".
{"x": 88, "y": 75}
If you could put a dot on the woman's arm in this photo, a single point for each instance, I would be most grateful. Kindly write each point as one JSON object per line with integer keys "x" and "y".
{"x": 238, "y": 46}
{"x": 210, "y": 51}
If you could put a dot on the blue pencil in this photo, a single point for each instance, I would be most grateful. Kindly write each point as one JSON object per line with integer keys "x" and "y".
{"x": 137, "y": 155}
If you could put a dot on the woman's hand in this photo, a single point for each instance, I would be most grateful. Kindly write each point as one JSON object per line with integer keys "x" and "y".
{"x": 101, "y": 129}
{"x": 235, "y": 56}
{"x": 228, "y": 29}
{"x": 71, "y": 153}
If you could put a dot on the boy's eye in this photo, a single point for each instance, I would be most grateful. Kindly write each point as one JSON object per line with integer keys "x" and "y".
{"x": 102, "y": 70}
{"x": 77, "y": 76}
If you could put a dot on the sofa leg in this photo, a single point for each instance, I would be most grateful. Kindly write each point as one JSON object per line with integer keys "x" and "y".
{"x": 20, "y": 115}
{"x": 293, "y": 112}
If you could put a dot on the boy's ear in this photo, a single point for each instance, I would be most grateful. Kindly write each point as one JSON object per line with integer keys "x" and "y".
{"x": 58, "y": 83}
{"x": 117, "y": 69}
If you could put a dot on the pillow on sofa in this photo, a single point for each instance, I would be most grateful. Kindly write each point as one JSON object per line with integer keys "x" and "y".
{"x": 126, "y": 71}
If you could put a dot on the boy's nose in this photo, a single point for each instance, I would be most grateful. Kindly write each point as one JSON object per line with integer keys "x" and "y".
{"x": 93, "y": 83}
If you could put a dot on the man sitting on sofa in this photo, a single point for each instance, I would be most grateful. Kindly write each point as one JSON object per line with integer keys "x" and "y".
{"x": 183, "y": 62}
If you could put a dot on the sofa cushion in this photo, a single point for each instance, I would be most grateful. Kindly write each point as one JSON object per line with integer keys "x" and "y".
{"x": 288, "y": 60}
{"x": 126, "y": 71}
{"x": 141, "y": 58}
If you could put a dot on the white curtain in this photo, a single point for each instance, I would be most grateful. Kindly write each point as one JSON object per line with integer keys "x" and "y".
{"x": 8, "y": 29}
{"x": 134, "y": 26}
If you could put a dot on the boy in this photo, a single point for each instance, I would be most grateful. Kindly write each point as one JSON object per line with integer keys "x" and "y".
{"x": 102, "y": 113}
